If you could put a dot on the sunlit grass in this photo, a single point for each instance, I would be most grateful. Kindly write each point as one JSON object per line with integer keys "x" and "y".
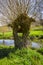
{"x": 10, "y": 56}
{"x": 36, "y": 32}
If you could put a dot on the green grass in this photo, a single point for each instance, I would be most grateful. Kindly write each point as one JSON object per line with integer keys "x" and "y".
{"x": 7, "y": 35}
{"x": 39, "y": 33}
{"x": 11, "y": 56}
{"x": 36, "y": 31}
{"x": 40, "y": 51}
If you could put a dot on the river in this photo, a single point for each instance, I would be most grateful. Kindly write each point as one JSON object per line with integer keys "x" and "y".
{"x": 11, "y": 43}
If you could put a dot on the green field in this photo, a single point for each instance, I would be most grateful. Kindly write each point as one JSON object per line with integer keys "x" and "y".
{"x": 39, "y": 33}
{"x": 10, "y": 56}
{"x": 36, "y": 31}
{"x": 7, "y": 35}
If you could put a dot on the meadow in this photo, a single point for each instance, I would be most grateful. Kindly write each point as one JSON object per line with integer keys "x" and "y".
{"x": 34, "y": 32}
{"x": 24, "y": 56}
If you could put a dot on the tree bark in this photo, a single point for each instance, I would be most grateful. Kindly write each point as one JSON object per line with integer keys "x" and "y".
{"x": 21, "y": 24}
{"x": 20, "y": 41}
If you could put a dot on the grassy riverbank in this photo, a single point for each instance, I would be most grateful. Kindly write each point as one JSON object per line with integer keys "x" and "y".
{"x": 10, "y": 56}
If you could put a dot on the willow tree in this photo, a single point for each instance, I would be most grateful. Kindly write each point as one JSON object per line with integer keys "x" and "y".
{"x": 16, "y": 14}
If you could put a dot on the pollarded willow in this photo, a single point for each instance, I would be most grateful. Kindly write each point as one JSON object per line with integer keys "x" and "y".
{"x": 19, "y": 14}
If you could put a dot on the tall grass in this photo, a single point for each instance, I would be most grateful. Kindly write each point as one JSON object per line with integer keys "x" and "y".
{"x": 24, "y": 56}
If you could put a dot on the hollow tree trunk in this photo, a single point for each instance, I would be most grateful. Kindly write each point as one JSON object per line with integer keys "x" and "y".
{"x": 20, "y": 41}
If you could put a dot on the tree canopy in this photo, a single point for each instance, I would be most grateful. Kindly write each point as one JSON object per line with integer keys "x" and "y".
{"x": 11, "y": 9}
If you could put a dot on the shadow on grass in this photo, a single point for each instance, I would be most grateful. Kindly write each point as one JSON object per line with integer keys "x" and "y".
{"x": 5, "y": 51}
